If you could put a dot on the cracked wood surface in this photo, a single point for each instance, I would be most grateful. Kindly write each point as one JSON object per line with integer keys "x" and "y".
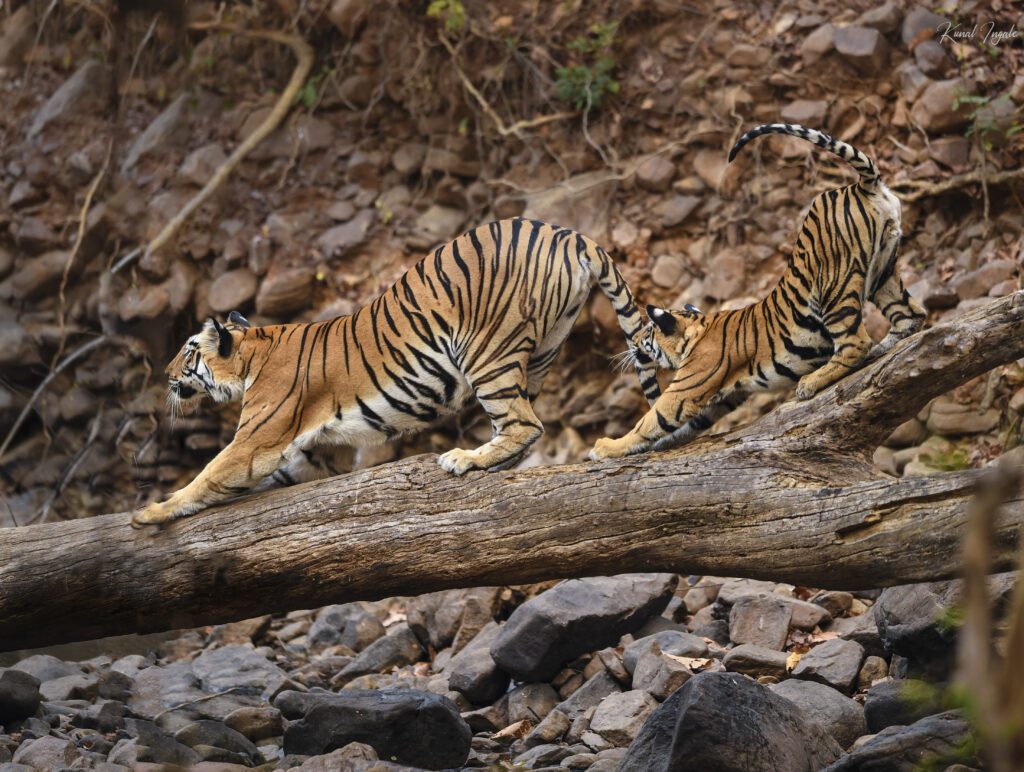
{"x": 790, "y": 498}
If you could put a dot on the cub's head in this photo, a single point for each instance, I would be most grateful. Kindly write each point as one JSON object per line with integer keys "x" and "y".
{"x": 671, "y": 335}
{"x": 208, "y": 364}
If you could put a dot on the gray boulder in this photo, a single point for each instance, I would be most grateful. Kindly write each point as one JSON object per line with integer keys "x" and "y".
{"x": 840, "y": 716}
{"x": 902, "y": 748}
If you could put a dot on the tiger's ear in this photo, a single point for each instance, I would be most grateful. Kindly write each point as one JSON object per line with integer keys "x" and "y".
{"x": 224, "y": 340}
{"x": 236, "y": 318}
{"x": 664, "y": 319}
{"x": 692, "y": 309}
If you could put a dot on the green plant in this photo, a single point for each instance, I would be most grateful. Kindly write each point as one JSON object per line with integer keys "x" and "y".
{"x": 586, "y": 83}
{"x": 982, "y": 124}
{"x": 452, "y": 11}
{"x": 310, "y": 92}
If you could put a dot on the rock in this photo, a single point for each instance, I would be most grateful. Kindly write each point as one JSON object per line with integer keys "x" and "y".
{"x": 45, "y": 753}
{"x": 727, "y": 722}
{"x": 977, "y": 283}
{"x": 953, "y": 419}
{"x": 241, "y": 668}
{"x": 404, "y": 725}
{"x": 910, "y": 623}
{"x": 899, "y": 703}
{"x": 551, "y": 729}
{"x": 818, "y": 44}
{"x": 667, "y": 270}
{"x": 576, "y": 203}
{"x": 863, "y": 47}
{"x": 918, "y": 21}
{"x": 441, "y": 222}
{"x": 619, "y": 716}
{"x": 834, "y": 663}
{"x": 575, "y": 617}
{"x": 673, "y": 642}
{"x": 399, "y": 647}
{"x": 726, "y": 275}
{"x": 531, "y": 702}
{"x": 19, "y": 695}
{"x": 201, "y": 164}
{"x": 710, "y": 167}
{"x": 861, "y": 629}
{"x": 285, "y": 292}
{"x": 655, "y": 173}
{"x": 837, "y": 714}
{"x": 347, "y": 759}
{"x": 72, "y": 687}
{"x": 931, "y": 58}
{"x": 83, "y": 93}
{"x": 659, "y": 673}
{"x": 152, "y": 744}
{"x": 934, "y": 111}
{"x": 441, "y": 160}
{"x": 408, "y": 158}
{"x": 142, "y": 302}
{"x": 348, "y": 15}
{"x": 805, "y": 112}
{"x": 218, "y": 735}
{"x": 361, "y": 629}
{"x": 256, "y": 723}
{"x": 16, "y": 37}
{"x": 473, "y": 672}
{"x": 934, "y": 295}
{"x": 873, "y": 669}
{"x": 885, "y": 18}
{"x": 756, "y": 661}
{"x": 744, "y": 55}
{"x": 339, "y": 240}
{"x": 835, "y": 602}
{"x": 902, "y": 748}
{"x": 46, "y": 667}
{"x": 35, "y": 236}
{"x": 453, "y": 617}
{"x": 168, "y": 128}
{"x": 675, "y": 210}
{"x": 232, "y": 291}
{"x": 330, "y": 622}
{"x": 760, "y": 620}
{"x": 341, "y": 211}
{"x": 805, "y": 615}
{"x": 590, "y": 695}
{"x": 907, "y": 434}
{"x": 541, "y": 757}
{"x": 1017, "y": 401}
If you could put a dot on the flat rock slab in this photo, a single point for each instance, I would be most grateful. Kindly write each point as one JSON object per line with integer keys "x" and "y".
{"x": 405, "y": 725}
{"x": 575, "y": 617}
{"x": 835, "y": 663}
{"x": 761, "y": 620}
{"x": 902, "y": 748}
{"x": 729, "y": 723}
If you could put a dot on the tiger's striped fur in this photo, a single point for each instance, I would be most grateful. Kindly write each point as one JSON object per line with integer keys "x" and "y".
{"x": 484, "y": 316}
{"x": 809, "y": 329}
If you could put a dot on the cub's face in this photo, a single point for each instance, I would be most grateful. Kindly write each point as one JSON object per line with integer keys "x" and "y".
{"x": 671, "y": 335}
{"x": 208, "y": 364}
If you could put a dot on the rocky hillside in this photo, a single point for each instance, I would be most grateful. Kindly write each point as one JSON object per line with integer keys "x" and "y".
{"x": 421, "y": 120}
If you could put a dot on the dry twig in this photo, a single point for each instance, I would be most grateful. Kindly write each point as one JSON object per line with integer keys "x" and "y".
{"x": 923, "y": 189}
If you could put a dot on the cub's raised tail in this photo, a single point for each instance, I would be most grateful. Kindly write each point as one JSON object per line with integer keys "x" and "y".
{"x": 865, "y": 167}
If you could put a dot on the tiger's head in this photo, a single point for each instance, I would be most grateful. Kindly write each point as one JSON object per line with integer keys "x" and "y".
{"x": 208, "y": 364}
{"x": 671, "y": 335}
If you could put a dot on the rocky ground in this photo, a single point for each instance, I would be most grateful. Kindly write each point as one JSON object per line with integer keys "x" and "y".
{"x": 384, "y": 156}
{"x": 610, "y": 673}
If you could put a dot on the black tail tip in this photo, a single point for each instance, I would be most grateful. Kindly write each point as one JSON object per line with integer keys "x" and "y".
{"x": 734, "y": 151}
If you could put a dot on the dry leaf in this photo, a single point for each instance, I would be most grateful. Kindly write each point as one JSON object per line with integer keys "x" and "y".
{"x": 792, "y": 660}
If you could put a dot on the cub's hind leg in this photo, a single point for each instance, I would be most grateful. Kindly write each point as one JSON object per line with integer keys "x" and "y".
{"x": 905, "y": 315}
{"x": 502, "y": 392}
{"x": 235, "y": 470}
{"x": 850, "y": 342}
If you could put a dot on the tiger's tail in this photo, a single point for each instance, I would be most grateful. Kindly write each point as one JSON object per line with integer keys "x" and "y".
{"x": 608, "y": 278}
{"x": 865, "y": 167}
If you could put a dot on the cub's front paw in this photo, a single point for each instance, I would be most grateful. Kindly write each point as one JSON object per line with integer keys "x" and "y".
{"x": 806, "y": 389}
{"x": 606, "y": 447}
{"x": 157, "y": 512}
{"x": 457, "y": 461}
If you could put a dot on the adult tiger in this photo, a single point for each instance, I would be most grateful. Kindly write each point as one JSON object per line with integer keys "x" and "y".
{"x": 809, "y": 329}
{"x": 485, "y": 315}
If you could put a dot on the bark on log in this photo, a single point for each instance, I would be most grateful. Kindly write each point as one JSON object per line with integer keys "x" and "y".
{"x": 792, "y": 497}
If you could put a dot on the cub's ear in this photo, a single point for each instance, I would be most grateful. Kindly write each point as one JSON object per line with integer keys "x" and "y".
{"x": 690, "y": 308}
{"x": 224, "y": 340}
{"x": 664, "y": 319}
{"x": 236, "y": 318}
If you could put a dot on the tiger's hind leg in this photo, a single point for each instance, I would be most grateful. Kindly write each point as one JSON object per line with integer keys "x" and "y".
{"x": 851, "y": 343}
{"x": 905, "y": 315}
{"x": 502, "y": 392}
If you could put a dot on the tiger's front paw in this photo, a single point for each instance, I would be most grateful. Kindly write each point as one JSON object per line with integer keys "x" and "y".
{"x": 457, "y": 461}
{"x": 606, "y": 447}
{"x": 807, "y": 388}
{"x": 157, "y": 512}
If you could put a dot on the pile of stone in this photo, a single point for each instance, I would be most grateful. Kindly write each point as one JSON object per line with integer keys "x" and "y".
{"x": 632, "y": 672}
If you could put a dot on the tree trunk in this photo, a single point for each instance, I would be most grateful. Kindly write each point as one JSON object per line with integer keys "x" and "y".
{"x": 792, "y": 497}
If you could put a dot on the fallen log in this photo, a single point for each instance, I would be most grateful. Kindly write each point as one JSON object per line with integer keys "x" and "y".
{"x": 792, "y": 497}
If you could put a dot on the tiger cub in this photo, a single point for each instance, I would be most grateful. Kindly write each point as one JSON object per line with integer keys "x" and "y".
{"x": 809, "y": 329}
{"x": 483, "y": 316}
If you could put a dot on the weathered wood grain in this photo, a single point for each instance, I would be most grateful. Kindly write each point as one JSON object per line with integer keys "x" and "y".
{"x": 789, "y": 498}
